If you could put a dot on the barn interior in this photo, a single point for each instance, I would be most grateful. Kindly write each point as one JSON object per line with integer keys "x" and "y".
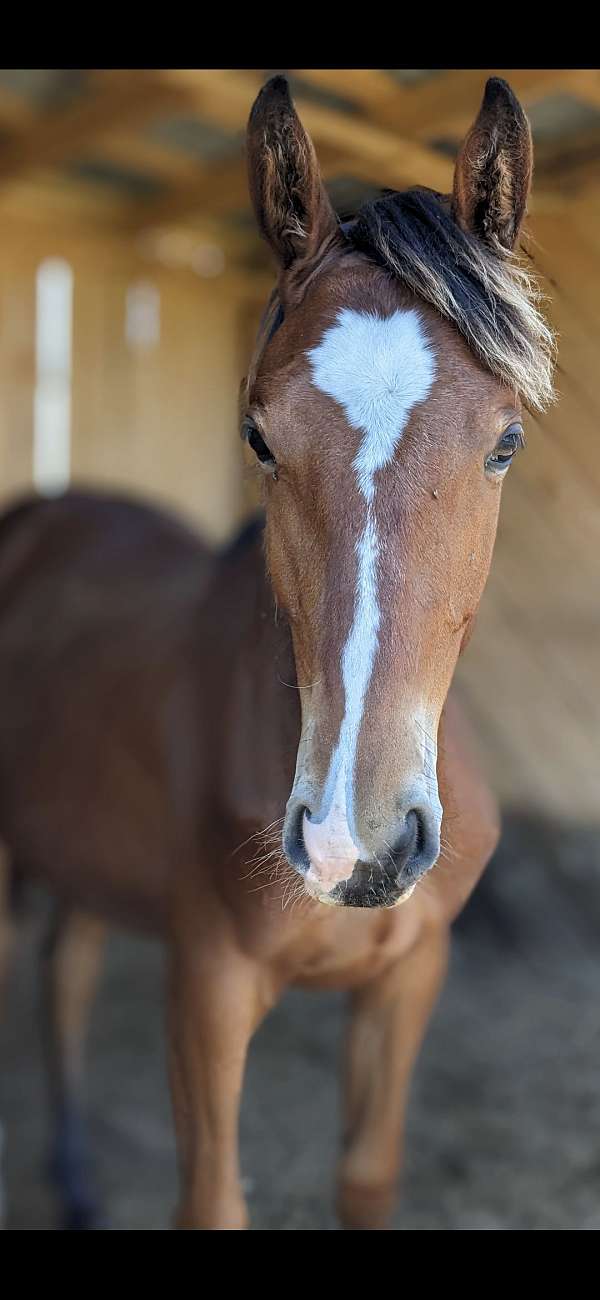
{"x": 132, "y": 280}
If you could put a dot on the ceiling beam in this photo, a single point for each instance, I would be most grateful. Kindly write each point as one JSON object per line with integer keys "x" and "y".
{"x": 584, "y": 83}
{"x": 575, "y": 161}
{"x": 345, "y": 145}
{"x": 15, "y": 110}
{"x": 447, "y": 102}
{"x": 449, "y": 109}
{"x": 102, "y": 126}
{"x": 57, "y": 136}
{"x": 139, "y": 154}
{"x": 48, "y": 196}
{"x": 372, "y": 88}
{"x": 122, "y": 145}
{"x": 225, "y": 96}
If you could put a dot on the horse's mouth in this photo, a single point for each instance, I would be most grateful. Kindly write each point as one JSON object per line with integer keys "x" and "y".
{"x": 344, "y": 895}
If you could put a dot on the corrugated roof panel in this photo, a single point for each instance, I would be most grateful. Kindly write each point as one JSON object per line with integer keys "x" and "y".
{"x": 301, "y": 89}
{"x": 135, "y": 184}
{"x": 559, "y": 116}
{"x": 196, "y": 138}
{"x": 46, "y": 87}
{"x": 413, "y": 76}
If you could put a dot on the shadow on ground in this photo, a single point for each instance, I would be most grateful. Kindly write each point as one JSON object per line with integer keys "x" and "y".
{"x": 504, "y": 1124}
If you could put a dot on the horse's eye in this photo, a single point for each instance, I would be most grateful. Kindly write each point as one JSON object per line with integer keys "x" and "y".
{"x": 253, "y": 437}
{"x": 503, "y": 452}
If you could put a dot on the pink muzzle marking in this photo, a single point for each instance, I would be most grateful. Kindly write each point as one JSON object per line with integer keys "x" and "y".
{"x": 330, "y": 847}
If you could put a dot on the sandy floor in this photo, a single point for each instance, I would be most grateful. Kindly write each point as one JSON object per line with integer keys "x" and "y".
{"x": 504, "y": 1128}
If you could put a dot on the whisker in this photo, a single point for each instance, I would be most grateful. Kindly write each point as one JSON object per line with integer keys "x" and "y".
{"x": 278, "y": 821}
{"x": 294, "y": 687}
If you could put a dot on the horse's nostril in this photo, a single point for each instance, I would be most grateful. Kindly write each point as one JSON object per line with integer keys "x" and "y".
{"x": 419, "y": 831}
{"x": 293, "y": 838}
{"x": 412, "y": 851}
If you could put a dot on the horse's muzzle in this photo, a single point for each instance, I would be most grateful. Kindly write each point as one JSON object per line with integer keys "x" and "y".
{"x": 338, "y": 872}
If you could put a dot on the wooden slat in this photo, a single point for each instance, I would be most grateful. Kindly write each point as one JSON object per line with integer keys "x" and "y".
{"x": 372, "y": 88}
{"x": 345, "y": 147}
{"x": 121, "y": 144}
{"x": 226, "y": 97}
{"x": 446, "y": 104}
{"x": 584, "y": 83}
{"x": 45, "y": 196}
{"x": 139, "y": 154}
{"x": 447, "y": 109}
{"x": 59, "y": 135}
{"x": 15, "y": 110}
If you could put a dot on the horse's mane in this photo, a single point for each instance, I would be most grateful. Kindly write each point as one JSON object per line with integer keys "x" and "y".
{"x": 490, "y": 295}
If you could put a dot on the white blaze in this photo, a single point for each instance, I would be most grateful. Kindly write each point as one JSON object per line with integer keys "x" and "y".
{"x": 377, "y": 369}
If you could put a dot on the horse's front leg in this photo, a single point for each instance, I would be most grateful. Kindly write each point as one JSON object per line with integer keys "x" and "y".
{"x": 388, "y": 1020}
{"x": 217, "y": 997}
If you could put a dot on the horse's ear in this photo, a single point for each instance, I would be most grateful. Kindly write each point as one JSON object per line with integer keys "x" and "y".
{"x": 292, "y": 208}
{"x": 493, "y": 170}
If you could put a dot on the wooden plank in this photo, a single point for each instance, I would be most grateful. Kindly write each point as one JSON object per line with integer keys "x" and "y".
{"x": 55, "y": 136}
{"x": 226, "y": 97}
{"x": 15, "y": 110}
{"x": 372, "y": 88}
{"x": 584, "y": 83}
{"x": 17, "y": 376}
{"x": 538, "y": 751}
{"x": 444, "y": 105}
{"x": 42, "y": 197}
{"x": 447, "y": 105}
{"x": 140, "y": 154}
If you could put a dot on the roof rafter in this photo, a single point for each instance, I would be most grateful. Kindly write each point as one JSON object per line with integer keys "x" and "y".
{"x": 447, "y": 103}
{"x": 226, "y": 96}
{"x": 57, "y": 136}
{"x": 345, "y": 145}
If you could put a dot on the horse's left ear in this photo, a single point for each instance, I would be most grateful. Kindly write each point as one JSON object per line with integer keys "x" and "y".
{"x": 290, "y": 201}
{"x": 493, "y": 170}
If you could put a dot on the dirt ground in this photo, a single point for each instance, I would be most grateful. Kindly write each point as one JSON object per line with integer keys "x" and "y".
{"x": 504, "y": 1123}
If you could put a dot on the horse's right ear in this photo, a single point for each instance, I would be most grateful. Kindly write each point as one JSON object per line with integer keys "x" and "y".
{"x": 292, "y": 209}
{"x": 493, "y": 169}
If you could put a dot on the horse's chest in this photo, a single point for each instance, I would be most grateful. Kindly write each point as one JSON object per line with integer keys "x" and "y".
{"x": 346, "y": 948}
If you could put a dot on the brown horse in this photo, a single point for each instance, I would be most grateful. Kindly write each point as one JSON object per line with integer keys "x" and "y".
{"x": 180, "y": 731}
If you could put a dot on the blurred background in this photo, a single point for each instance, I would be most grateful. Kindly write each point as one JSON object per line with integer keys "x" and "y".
{"x": 131, "y": 284}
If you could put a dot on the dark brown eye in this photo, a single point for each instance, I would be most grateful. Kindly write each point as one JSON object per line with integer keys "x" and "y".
{"x": 256, "y": 441}
{"x": 503, "y": 452}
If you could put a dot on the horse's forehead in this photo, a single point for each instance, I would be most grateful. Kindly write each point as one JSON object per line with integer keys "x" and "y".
{"x": 375, "y": 367}
{"x": 379, "y": 362}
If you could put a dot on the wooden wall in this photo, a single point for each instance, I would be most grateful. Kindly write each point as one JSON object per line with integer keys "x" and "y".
{"x": 531, "y": 675}
{"x": 159, "y": 419}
